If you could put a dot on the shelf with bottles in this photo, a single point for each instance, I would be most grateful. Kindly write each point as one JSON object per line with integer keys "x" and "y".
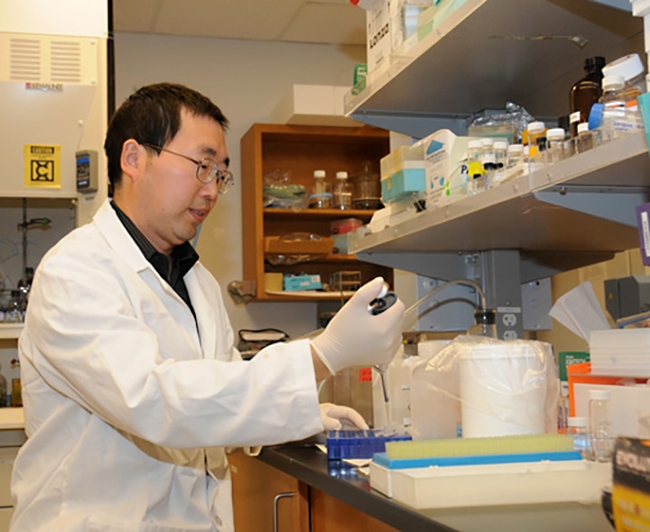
{"x": 298, "y": 151}
{"x": 583, "y": 204}
{"x": 489, "y": 52}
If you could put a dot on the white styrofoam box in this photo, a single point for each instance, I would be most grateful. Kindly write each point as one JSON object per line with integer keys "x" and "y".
{"x": 518, "y": 483}
{"x": 628, "y": 407}
{"x": 378, "y": 37}
{"x": 320, "y": 105}
{"x": 443, "y": 152}
{"x": 620, "y": 352}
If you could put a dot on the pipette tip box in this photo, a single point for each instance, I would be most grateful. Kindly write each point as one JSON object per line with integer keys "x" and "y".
{"x": 342, "y": 444}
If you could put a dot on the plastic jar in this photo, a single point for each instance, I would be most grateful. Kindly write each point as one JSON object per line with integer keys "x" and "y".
{"x": 578, "y": 429}
{"x": 342, "y": 193}
{"x": 536, "y": 141}
{"x": 554, "y": 145}
{"x": 515, "y": 155}
{"x": 321, "y": 195}
{"x": 584, "y": 140}
{"x": 630, "y": 67}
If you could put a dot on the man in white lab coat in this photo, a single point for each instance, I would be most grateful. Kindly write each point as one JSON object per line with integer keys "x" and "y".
{"x": 132, "y": 386}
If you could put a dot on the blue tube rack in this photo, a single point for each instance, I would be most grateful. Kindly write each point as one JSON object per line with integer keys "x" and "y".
{"x": 342, "y": 444}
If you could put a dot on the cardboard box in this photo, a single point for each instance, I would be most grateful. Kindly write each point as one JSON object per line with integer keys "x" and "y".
{"x": 444, "y": 154}
{"x": 294, "y": 283}
{"x": 378, "y": 37}
{"x": 286, "y": 246}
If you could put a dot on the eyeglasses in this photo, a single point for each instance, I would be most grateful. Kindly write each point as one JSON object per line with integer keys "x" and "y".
{"x": 206, "y": 169}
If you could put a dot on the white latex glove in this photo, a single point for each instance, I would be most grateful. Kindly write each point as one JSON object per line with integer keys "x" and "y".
{"x": 334, "y": 417}
{"x": 354, "y": 337}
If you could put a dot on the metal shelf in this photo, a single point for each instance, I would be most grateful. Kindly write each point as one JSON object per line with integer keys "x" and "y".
{"x": 583, "y": 205}
{"x": 489, "y": 52}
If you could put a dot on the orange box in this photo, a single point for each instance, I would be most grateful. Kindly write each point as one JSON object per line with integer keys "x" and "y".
{"x": 581, "y": 373}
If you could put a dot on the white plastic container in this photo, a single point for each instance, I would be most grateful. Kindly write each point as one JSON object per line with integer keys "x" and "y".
{"x": 496, "y": 484}
{"x": 502, "y": 391}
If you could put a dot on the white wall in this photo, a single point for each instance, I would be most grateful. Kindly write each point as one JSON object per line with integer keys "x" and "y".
{"x": 246, "y": 79}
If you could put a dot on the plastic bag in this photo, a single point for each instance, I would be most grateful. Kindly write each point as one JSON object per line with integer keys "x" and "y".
{"x": 480, "y": 387}
{"x": 280, "y": 192}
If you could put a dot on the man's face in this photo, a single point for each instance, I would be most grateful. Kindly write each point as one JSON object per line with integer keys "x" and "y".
{"x": 173, "y": 202}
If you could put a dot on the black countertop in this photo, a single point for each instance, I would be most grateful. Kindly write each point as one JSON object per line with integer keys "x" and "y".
{"x": 343, "y": 481}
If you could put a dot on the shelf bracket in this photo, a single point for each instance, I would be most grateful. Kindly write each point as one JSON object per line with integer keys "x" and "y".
{"x": 616, "y": 204}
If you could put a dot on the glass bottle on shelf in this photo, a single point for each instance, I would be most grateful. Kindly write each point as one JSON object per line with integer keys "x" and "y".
{"x": 500, "y": 160}
{"x": 599, "y": 426}
{"x": 585, "y": 92}
{"x": 536, "y": 141}
{"x": 585, "y": 139}
{"x": 321, "y": 194}
{"x": 515, "y": 155}
{"x": 554, "y": 145}
{"x": 342, "y": 193}
{"x": 577, "y": 428}
{"x": 475, "y": 170}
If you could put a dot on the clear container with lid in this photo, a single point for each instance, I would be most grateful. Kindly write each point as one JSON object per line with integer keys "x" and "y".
{"x": 578, "y": 429}
{"x": 321, "y": 194}
{"x": 475, "y": 170}
{"x": 585, "y": 139}
{"x": 342, "y": 193}
{"x": 630, "y": 67}
{"x": 515, "y": 155}
{"x": 500, "y": 160}
{"x": 611, "y": 114}
{"x": 600, "y": 426}
{"x": 488, "y": 162}
{"x": 554, "y": 152}
{"x": 536, "y": 141}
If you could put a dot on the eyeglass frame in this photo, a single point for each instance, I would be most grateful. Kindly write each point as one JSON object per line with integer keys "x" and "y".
{"x": 225, "y": 179}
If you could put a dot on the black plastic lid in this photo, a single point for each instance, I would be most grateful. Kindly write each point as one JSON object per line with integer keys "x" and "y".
{"x": 597, "y": 62}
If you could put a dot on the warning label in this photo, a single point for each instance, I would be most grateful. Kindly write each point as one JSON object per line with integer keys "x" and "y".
{"x": 42, "y": 166}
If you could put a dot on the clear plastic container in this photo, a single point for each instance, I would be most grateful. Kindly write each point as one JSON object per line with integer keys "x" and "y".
{"x": 585, "y": 138}
{"x": 342, "y": 193}
{"x": 475, "y": 170}
{"x": 366, "y": 189}
{"x": 321, "y": 194}
{"x": 536, "y": 141}
{"x": 515, "y": 155}
{"x": 500, "y": 161}
{"x": 630, "y": 67}
{"x": 578, "y": 428}
{"x": 554, "y": 152}
{"x": 599, "y": 426}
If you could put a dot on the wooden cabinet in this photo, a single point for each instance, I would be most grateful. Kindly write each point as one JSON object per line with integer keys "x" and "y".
{"x": 265, "y": 498}
{"x": 300, "y": 150}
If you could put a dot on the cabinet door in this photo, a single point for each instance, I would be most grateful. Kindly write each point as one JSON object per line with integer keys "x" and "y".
{"x": 331, "y": 515}
{"x": 265, "y": 499}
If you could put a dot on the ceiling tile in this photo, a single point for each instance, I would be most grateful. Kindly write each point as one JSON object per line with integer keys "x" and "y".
{"x": 327, "y": 22}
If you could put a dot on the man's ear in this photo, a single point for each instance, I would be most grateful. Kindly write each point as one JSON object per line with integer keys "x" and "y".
{"x": 133, "y": 159}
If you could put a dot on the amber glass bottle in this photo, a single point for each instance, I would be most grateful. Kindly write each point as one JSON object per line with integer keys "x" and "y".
{"x": 586, "y": 92}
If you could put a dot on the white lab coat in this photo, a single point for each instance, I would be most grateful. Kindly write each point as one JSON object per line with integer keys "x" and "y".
{"x": 127, "y": 404}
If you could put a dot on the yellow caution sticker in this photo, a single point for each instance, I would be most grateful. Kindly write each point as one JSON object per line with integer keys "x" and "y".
{"x": 42, "y": 166}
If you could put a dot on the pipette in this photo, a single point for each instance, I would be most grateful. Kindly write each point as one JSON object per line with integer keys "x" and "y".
{"x": 383, "y": 302}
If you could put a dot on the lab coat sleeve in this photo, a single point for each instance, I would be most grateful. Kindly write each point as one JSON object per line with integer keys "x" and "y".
{"x": 88, "y": 336}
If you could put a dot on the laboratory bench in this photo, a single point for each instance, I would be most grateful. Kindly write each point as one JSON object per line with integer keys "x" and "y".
{"x": 343, "y": 484}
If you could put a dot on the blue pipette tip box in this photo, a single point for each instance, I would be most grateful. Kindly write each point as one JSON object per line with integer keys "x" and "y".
{"x": 343, "y": 444}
